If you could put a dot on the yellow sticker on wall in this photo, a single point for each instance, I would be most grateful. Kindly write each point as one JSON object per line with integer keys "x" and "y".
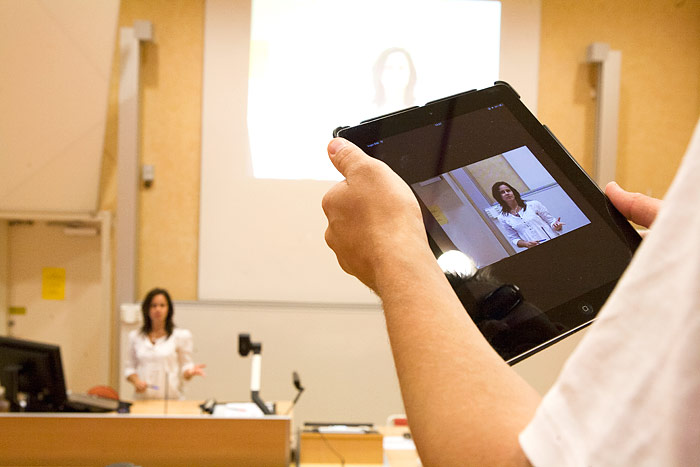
{"x": 18, "y": 310}
{"x": 53, "y": 283}
{"x": 438, "y": 214}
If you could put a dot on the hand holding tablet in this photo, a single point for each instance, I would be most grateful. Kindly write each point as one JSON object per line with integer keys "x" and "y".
{"x": 494, "y": 184}
{"x": 361, "y": 205}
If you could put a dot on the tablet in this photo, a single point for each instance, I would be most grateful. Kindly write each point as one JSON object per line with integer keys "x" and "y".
{"x": 535, "y": 246}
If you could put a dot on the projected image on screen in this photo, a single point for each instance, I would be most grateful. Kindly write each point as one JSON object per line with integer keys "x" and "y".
{"x": 315, "y": 65}
{"x": 394, "y": 80}
{"x": 498, "y": 207}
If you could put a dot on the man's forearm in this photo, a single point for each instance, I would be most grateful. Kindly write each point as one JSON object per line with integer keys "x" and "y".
{"x": 464, "y": 403}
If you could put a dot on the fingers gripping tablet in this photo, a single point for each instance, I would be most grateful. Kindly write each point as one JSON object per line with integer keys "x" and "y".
{"x": 539, "y": 247}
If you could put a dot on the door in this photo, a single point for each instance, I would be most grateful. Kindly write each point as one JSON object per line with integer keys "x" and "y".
{"x": 71, "y": 313}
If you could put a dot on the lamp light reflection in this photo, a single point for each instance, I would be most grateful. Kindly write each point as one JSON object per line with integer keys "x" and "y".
{"x": 457, "y": 263}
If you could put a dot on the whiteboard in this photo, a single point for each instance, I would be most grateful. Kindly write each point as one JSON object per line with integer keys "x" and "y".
{"x": 342, "y": 355}
{"x": 263, "y": 239}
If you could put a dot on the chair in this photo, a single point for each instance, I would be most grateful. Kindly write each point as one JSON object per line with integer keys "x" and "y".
{"x": 105, "y": 392}
{"x": 397, "y": 420}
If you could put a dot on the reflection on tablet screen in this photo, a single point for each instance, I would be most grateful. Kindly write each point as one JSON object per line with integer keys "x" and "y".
{"x": 498, "y": 207}
{"x": 542, "y": 247}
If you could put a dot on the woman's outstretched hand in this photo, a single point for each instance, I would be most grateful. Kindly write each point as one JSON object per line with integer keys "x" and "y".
{"x": 197, "y": 370}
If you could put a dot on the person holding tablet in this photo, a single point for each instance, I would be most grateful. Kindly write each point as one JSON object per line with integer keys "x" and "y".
{"x": 525, "y": 227}
{"x": 636, "y": 367}
{"x": 159, "y": 359}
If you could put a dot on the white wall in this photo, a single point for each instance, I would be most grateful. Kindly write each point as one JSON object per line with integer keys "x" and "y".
{"x": 263, "y": 239}
{"x": 57, "y": 64}
{"x": 342, "y": 356}
{"x": 79, "y": 324}
{"x": 559, "y": 204}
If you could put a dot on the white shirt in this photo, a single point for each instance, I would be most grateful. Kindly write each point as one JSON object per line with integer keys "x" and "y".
{"x": 531, "y": 224}
{"x": 160, "y": 365}
{"x": 630, "y": 393}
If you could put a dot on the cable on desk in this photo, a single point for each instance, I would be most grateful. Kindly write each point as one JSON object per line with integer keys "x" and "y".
{"x": 342, "y": 459}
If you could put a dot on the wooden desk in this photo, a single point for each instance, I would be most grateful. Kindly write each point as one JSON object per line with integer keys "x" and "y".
{"x": 354, "y": 448}
{"x": 184, "y": 439}
{"x": 392, "y": 458}
{"x": 176, "y": 407}
{"x": 160, "y": 407}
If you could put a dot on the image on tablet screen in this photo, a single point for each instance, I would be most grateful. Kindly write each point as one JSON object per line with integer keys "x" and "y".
{"x": 497, "y": 207}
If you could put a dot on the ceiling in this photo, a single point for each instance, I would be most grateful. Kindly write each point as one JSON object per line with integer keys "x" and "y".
{"x": 56, "y": 59}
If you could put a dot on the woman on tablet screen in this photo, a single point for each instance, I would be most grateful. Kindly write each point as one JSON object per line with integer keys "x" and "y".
{"x": 527, "y": 224}
{"x": 159, "y": 358}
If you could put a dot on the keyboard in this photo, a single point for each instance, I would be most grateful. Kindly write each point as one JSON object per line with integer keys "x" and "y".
{"x": 76, "y": 402}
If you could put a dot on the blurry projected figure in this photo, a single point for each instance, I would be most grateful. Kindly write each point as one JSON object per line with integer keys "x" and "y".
{"x": 305, "y": 79}
{"x": 394, "y": 80}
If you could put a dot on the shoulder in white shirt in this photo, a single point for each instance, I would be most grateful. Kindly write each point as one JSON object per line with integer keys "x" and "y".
{"x": 630, "y": 393}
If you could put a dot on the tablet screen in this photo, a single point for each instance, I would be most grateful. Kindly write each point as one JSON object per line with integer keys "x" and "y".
{"x": 540, "y": 248}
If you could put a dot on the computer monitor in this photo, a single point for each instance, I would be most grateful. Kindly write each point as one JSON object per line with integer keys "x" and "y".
{"x": 35, "y": 370}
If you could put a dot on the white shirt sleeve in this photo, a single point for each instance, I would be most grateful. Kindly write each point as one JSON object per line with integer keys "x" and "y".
{"x": 184, "y": 345}
{"x": 542, "y": 211}
{"x": 160, "y": 364}
{"x": 131, "y": 362}
{"x": 630, "y": 393}
{"x": 511, "y": 233}
{"x": 534, "y": 223}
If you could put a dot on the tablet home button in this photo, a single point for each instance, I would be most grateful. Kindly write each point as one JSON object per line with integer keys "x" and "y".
{"x": 586, "y": 308}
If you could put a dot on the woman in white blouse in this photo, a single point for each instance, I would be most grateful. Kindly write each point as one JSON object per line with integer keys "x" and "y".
{"x": 527, "y": 224}
{"x": 159, "y": 359}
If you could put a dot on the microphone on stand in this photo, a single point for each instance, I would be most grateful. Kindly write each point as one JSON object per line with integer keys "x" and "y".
{"x": 300, "y": 388}
{"x": 245, "y": 346}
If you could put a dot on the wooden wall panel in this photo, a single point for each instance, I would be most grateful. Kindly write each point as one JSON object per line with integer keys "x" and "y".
{"x": 171, "y": 82}
{"x": 660, "y": 86}
{"x": 660, "y": 44}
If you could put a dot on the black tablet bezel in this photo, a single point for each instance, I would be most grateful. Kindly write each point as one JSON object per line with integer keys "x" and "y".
{"x": 577, "y": 312}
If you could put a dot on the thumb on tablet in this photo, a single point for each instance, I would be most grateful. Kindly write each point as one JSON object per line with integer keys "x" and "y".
{"x": 345, "y": 155}
{"x": 636, "y": 207}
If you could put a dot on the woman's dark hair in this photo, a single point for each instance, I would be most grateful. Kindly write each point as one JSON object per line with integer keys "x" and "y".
{"x": 146, "y": 307}
{"x": 380, "y": 95}
{"x": 497, "y": 196}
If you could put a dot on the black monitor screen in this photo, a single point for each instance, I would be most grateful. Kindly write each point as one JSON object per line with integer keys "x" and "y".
{"x": 34, "y": 370}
